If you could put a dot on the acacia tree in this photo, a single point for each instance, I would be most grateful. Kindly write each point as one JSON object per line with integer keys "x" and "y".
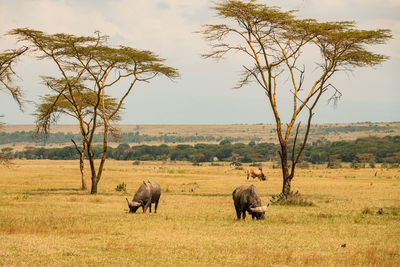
{"x": 273, "y": 41}
{"x": 8, "y": 59}
{"x": 100, "y": 67}
{"x": 53, "y": 105}
{"x": 7, "y": 74}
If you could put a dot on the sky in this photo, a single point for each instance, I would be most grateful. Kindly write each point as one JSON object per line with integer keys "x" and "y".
{"x": 204, "y": 93}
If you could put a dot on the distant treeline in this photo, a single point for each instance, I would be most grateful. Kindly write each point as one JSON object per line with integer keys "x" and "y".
{"x": 327, "y": 129}
{"x": 129, "y": 137}
{"x": 171, "y": 138}
{"x": 363, "y": 150}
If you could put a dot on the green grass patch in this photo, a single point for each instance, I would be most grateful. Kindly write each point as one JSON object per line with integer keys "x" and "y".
{"x": 293, "y": 199}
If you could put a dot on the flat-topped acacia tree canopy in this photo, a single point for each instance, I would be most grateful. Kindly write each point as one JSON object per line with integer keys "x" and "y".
{"x": 89, "y": 69}
{"x": 8, "y": 59}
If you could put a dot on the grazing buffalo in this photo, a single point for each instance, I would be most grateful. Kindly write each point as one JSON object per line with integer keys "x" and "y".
{"x": 246, "y": 198}
{"x": 256, "y": 172}
{"x": 147, "y": 193}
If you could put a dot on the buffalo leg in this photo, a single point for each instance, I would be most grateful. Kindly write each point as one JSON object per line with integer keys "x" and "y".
{"x": 155, "y": 206}
{"x": 244, "y": 214}
{"x": 146, "y": 206}
{"x": 150, "y": 207}
{"x": 237, "y": 212}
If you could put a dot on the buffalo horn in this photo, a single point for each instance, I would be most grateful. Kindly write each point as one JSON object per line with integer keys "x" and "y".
{"x": 259, "y": 209}
{"x": 136, "y": 204}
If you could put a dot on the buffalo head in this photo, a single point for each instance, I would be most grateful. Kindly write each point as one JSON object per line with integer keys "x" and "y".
{"x": 259, "y": 212}
{"x": 133, "y": 205}
{"x": 262, "y": 178}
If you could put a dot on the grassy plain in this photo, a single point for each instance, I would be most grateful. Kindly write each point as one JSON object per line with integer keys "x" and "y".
{"x": 46, "y": 220}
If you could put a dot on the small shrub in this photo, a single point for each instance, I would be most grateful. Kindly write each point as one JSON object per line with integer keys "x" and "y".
{"x": 394, "y": 165}
{"x": 394, "y": 211}
{"x": 303, "y": 165}
{"x": 136, "y": 162}
{"x": 236, "y": 163}
{"x": 357, "y": 165}
{"x": 367, "y": 211}
{"x": 277, "y": 165}
{"x": 190, "y": 187}
{"x": 24, "y": 196}
{"x": 121, "y": 187}
{"x": 334, "y": 164}
{"x": 167, "y": 189}
{"x": 256, "y": 164}
{"x": 325, "y": 215}
{"x": 381, "y": 211}
{"x": 372, "y": 164}
{"x": 293, "y": 199}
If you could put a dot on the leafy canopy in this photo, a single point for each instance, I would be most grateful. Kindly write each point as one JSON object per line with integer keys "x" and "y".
{"x": 7, "y": 74}
{"x": 88, "y": 67}
{"x": 274, "y": 38}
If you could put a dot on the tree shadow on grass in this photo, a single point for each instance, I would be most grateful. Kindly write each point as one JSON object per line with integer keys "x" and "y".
{"x": 56, "y": 191}
{"x": 63, "y": 191}
{"x": 198, "y": 194}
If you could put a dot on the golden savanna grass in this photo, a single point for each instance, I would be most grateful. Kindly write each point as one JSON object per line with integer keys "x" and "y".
{"x": 46, "y": 220}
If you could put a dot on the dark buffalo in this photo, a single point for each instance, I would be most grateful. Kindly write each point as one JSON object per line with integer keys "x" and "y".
{"x": 147, "y": 193}
{"x": 256, "y": 172}
{"x": 246, "y": 198}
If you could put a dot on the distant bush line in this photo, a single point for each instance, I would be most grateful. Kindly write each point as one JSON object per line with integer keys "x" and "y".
{"x": 139, "y": 138}
{"x": 368, "y": 150}
{"x": 129, "y": 137}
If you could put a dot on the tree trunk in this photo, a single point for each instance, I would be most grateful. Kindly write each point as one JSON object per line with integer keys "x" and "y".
{"x": 81, "y": 167}
{"x": 104, "y": 156}
{"x": 286, "y": 186}
{"x": 81, "y": 162}
{"x": 95, "y": 181}
{"x": 92, "y": 170}
{"x": 287, "y": 178}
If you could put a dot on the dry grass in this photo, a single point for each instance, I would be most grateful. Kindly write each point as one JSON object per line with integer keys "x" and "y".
{"x": 46, "y": 220}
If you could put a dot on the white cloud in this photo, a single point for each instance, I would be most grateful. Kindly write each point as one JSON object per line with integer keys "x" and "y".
{"x": 379, "y": 3}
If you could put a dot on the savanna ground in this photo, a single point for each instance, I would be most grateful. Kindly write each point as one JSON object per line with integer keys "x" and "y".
{"x": 46, "y": 220}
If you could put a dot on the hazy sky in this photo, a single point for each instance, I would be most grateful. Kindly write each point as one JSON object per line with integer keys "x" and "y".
{"x": 204, "y": 94}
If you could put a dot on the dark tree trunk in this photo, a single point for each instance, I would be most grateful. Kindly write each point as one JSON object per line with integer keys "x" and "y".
{"x": 287, "y": 177}
{"x": 81, "y": 167}
{"x": 95, "y": 181}
{"x": 81, "y": 163}
{"x": 94, "y": 178}
{"x": 286, "y": 186}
